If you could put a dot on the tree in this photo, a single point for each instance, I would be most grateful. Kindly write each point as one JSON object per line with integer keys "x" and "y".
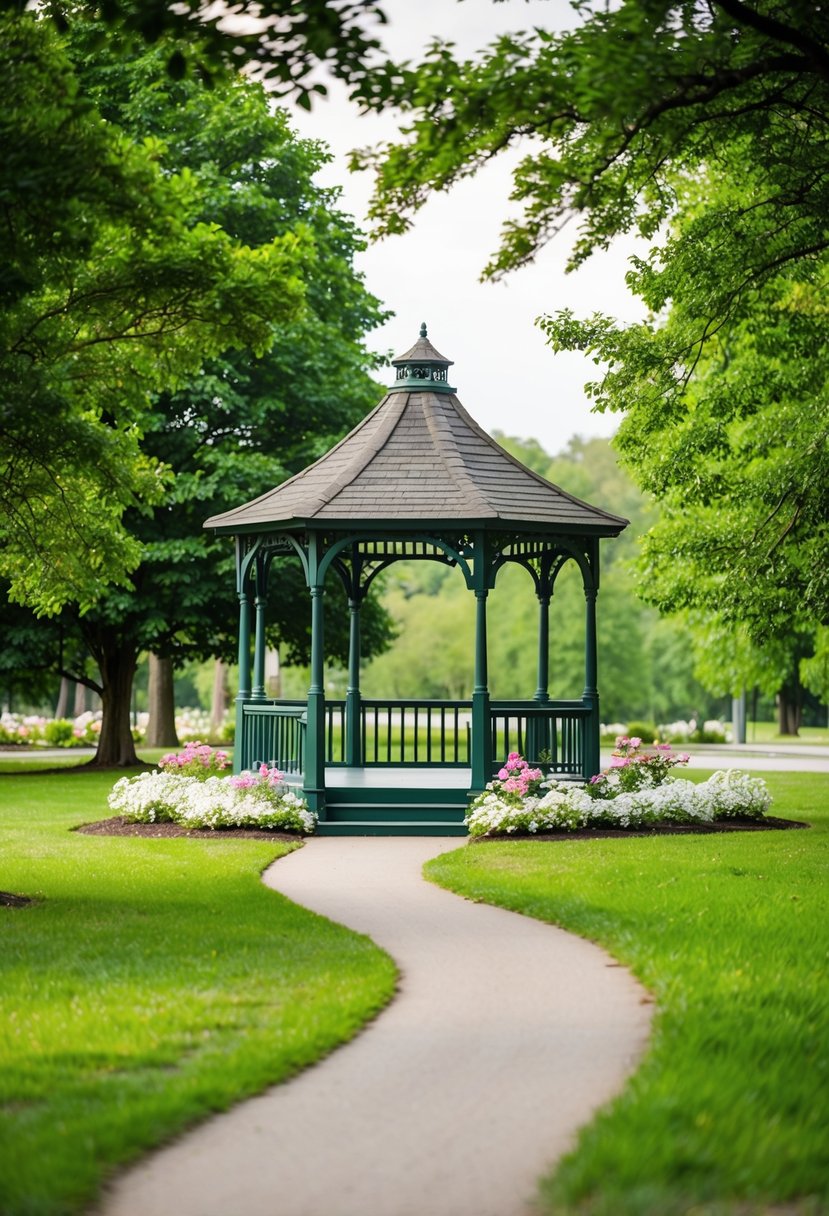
{"x": 729, "y": 433}
{"x": 611, "y": 110}
{"x": 161, "y": 726}
{"x": 715, "y": 148}
{"x": 246, "y": 421}
{"x": 111, "y": 286}
{"x": 727, "y": 661}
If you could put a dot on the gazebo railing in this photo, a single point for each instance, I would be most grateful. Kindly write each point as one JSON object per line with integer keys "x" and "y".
{"x": 416, "y": 732}
{"x": 407, "y": 733}
{"x": 551, "y": 733}
{"x": 273, "y": 732}
{"x": 396, "y": 733}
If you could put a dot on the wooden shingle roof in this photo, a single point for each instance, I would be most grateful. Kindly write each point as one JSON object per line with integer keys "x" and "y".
{"x": 418, "y": 458}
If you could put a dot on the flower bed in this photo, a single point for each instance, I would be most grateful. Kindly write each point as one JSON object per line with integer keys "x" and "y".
{"x": 32, "y": 730}
{"x": 638, "y": 790}
{"x": 187, "y": 790}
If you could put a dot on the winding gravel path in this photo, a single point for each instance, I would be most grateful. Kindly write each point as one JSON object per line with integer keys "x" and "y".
{"x": 505, "y": 1037}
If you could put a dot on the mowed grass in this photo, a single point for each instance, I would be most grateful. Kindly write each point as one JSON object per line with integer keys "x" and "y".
{"x": 729, "y": 1111}
{"x": 150, "y": 982}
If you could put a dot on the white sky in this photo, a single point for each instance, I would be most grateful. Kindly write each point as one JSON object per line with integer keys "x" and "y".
{"x": 506, "y": 376}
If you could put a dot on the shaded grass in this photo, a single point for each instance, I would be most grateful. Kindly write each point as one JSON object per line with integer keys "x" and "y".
{"x": 149, "y": 983}
{"x": 767, "y": 732}
{"x": 729, "y": 1112}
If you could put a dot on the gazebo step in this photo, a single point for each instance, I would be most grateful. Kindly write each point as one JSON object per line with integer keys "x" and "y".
{"x": 389, "y": 827}
{"x": 391, "y": 812}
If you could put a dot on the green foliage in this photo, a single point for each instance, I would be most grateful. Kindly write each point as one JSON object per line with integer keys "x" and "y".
{"x": 715, "y": 146}
{"x": 729, "y": 1109}
{"x": 246, "y": 421}
{"x": 151, "y": 983}
{"x": 59, "y": 733}
{"x": 697, "y": 80}
{"x": 729, "y": 432}
{"x": 241, "y": 420}
{"x": 285, "y": 39}
{"x": 646, "y": 731}
{"x": 113, "y": 286}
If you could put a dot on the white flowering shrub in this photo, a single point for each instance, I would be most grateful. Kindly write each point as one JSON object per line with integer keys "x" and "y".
{"x": 562, "y": 806}
{"x": 735, "y": 793}
{"x": 247, "y": 801}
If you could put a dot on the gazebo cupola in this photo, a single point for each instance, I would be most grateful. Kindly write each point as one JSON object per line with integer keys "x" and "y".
{"x": 422, "y": 367}
{"x": 416, "y": 480}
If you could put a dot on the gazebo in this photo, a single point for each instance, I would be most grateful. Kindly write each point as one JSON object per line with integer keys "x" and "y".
{"x": 416, "y": 480}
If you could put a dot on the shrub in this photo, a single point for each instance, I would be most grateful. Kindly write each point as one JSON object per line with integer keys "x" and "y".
{"x": 196, "y": 759}
{"x": 59, "y": 733}
{"x": 632, "y": 769}
{"x": 646, "y": 731}
{"x": 711, "y": 732}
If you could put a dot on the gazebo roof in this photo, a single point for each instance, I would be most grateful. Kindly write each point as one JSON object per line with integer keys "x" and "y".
{"x": 417, "y": 459}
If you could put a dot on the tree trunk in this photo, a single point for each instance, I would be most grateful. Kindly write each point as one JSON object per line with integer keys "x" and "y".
{"x": 789, "y": 709}
{"x": 62, "y": 708}
{"x": 218, "y": 707}
{"x": 80, "y": 700}
{"x": 161, "y": 728}
{"x": 117, "y": 664}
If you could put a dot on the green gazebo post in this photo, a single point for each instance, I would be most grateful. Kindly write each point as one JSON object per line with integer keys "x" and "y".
{"x": 592, "y": 762}
{"x": 244, "y": 692}
{"x": 481, "y": 720}
{"x": 315, "y": 730}
{"x": 353, "y": 699}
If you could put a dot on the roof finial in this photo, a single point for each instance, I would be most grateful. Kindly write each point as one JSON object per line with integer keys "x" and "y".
{"x": 423, "y": 329}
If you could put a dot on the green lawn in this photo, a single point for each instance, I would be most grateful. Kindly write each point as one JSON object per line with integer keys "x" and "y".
{"x": 149, "y": 983}
{"x": 729, "y": 1112}
{"x": 767, "y": 732}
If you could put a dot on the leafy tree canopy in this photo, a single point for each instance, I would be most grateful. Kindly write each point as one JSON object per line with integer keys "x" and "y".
{"x": 112, "y": 285}
{"x": 286, "y": 40}
{"x": 704, "y": 128}
{"x": 729, "y": 430}
{"x": 611, "y": 110}
{"x": 243, "y": 420}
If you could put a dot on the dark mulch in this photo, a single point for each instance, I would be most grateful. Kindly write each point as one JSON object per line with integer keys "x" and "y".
{"x": 119, "y": 826}
{"x": 7, "y": 900}
{"x": 661, "y": 829}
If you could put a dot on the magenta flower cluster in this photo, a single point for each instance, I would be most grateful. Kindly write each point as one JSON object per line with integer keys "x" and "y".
{"x": 266, "y": 776}
{"x": 195, "y": 760}
{"x": 631, "y": 768}
{"x": 516, "y": 777}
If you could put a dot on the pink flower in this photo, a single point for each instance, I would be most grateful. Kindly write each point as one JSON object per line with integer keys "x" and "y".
{"x": 635, "y": 742}
{"x": 619, "y": 761}
{"x": 503, "y": 774}
{"x": 263, "y": 770}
